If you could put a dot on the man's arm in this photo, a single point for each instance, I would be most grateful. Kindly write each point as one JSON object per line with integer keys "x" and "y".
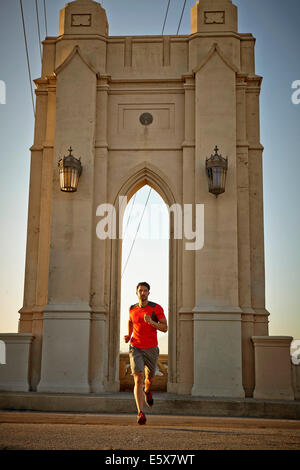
{"x": 161, "y": 325}
{"x": 130, "y": 330}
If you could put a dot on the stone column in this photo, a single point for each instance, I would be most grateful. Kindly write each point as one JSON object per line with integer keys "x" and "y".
{"x": 35, "y": 296}
{"x": 66, "y": 333}
{"x": 256, "y": 206}
{"x": 185, "y": 336}
{"x": 43, "y": 139}
{"x": 99, "y": 303}
{"x": 34, "y": 210}
{"x": 217, "y": 315}
{"x": 244, "y": 259}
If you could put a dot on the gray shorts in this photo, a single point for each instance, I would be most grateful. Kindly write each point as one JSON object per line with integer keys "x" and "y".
{"x": 143, "y": 358}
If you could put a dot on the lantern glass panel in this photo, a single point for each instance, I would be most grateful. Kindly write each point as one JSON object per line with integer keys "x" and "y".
{"x": 68, "y": 179}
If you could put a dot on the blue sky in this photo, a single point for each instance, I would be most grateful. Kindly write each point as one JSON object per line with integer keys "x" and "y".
{"x": 275, "y": 24}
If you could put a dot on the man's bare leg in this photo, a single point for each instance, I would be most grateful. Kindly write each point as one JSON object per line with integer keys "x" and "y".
{"x": 148, "y": 382}
{"x": 138, "y": 390}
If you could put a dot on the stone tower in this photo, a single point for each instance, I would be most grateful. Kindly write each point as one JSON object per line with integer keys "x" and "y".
{"x": 201, "y": 90}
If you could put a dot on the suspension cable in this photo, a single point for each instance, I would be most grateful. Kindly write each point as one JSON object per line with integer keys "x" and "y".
{"x": 136, "y": 232}
{"x": 38, "y": 26}
{"x": 165, "y": 18}
{"x": 129, "y": 215}
{"x": 26, "y": 48}
{"x": 181, "y": 16}
{"x": 45, "y": 16}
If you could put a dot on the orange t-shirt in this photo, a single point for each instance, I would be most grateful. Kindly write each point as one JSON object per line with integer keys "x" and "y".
{"x": 144, "y": 335}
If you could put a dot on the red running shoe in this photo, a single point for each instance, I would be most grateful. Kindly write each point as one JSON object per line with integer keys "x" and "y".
{"x": 148, "y": 398}
{"x": 141, "y": 419}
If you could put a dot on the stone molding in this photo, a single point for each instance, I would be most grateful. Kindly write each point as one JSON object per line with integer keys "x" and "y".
{"x": 17, "y": 338}
{"x": 272, "y": 341}
{"x": 76, "y": 50}
{"x": 215, "y": 49}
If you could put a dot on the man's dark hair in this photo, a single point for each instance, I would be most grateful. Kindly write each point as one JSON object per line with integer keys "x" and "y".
{"x": 143, "y": 284}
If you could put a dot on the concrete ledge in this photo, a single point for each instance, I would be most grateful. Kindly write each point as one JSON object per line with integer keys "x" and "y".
{"x": 14, "y": 373}
{"x": 208, "y": 422}
{"x": 166, "y": 404}
{"x": 273, "y": 369}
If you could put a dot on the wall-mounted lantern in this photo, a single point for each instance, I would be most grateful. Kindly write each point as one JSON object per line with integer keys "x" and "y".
{"x": 216, "y": 170}
{"x": 70, "y": 169}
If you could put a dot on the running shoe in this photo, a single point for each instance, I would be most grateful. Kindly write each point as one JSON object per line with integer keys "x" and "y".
{"x": 148, "y": 398}
{"x": 141, "y": 419}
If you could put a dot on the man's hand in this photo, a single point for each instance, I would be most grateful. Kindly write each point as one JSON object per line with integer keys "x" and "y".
{"x": 161, "y": 325}
{"x": 126, "y": 338}
{"x": 148, "y": 319}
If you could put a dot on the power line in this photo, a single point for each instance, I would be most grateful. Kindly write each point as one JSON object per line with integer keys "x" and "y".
{"x": 129, "y": 215}
{"x": 136, "y": 232}
{"x": 45, "y": 16}
{"x": 26, "y": 48}
{"x": 38, "y": 25}
{"x": 165, "y": 18}
{"x": 181, "y": 16}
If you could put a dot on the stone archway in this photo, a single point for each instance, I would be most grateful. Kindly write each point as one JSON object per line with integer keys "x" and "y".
{"x": 145, "y": 257}
{"x": 201, "y": 90}
{"x": 142, "y": 175}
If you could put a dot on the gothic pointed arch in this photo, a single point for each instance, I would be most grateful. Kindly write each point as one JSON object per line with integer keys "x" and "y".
{"x": 75, "y": 51}
{"x": 215, "y": 49}
{"x": 147, "y": 173}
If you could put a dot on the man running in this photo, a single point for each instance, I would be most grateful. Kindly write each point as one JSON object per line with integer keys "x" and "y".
{"x": 145, "y": 318}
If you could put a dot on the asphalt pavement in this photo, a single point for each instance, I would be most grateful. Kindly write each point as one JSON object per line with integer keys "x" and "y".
{"x": 27, "y": 430}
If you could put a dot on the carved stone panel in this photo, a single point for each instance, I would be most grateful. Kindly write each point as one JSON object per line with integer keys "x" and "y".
{"x": 81, "y": 20}
{"x": 217, "y": 17}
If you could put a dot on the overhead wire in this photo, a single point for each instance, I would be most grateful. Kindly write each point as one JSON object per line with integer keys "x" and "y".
{"x": 133, "y": 201}
{"x": 165, "y": 17}
{"x": 132, "y": 245}
{"x": 183, "y": 8}
{"x": 45, "y": 17}
{"x": 27, "y": 55}
{"x": 38, "y": 26}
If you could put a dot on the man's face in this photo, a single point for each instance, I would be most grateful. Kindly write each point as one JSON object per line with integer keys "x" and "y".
{"x": 142, "y": 292}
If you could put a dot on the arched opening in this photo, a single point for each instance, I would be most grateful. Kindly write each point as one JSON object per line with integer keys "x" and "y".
{"x": 144, "y": 174}
{"x": 145, "y": 257}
